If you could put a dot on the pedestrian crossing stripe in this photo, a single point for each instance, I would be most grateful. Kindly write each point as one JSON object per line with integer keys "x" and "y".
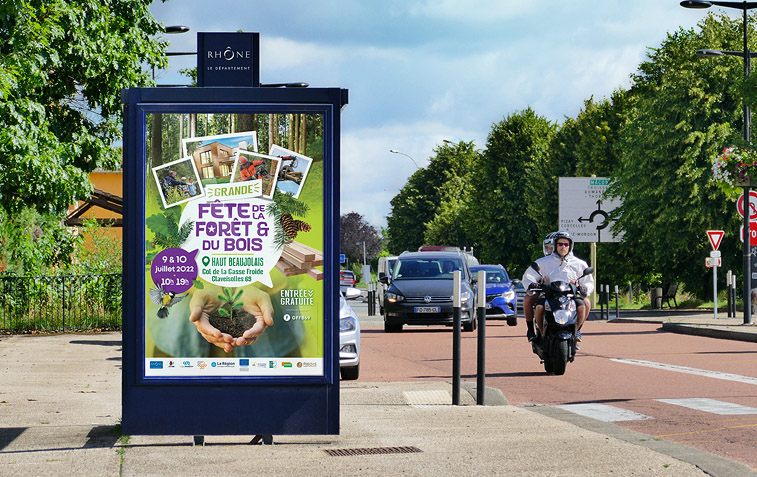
{"x": 604, "y": 412}
{"x": 683, "y": 369}
{"x": 712, "y": 406}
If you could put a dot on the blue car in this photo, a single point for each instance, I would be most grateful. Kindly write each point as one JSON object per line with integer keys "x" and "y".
{"x": 501, "y": 298}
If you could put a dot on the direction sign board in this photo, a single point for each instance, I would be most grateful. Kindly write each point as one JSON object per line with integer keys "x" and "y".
{"x": 584, "y": 210}
{"x": 752, "y": 205}
{"x": 715, "y": 237}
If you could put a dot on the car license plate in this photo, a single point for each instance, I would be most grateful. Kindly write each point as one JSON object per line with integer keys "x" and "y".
{"x": 427, "y": 309}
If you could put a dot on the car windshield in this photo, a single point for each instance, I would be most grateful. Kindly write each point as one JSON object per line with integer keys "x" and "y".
{"x": 431, "y": 268}
{"x": 390, "y": 265}
{"x": 492, "y": 276}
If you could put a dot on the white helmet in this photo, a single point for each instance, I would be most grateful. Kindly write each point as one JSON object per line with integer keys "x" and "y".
{"x": 547, "y": 245}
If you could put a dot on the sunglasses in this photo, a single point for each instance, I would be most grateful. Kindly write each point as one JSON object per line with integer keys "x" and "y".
{"x": 563, "y": 244}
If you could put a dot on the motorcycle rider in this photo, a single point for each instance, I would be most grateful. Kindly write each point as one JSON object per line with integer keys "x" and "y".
{"x": 530, "y": 298}
{"x": 562, "y": 265}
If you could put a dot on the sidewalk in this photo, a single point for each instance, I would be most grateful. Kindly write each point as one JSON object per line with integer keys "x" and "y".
{"x": 60, "y": 405}
{"x": 693, "y": 322}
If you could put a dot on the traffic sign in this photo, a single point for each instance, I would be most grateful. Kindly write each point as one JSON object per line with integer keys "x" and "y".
{"x": 752, "y": 205}
{"x": 342, "y": 258}
{"x": 752, "y": 233}
{"x": 710, "y": 262}
{"x": 715, "y": 237}
{"x": 715, "y": 254}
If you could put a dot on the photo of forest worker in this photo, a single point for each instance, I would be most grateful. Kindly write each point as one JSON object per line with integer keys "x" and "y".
{"x": 247, "y": 169}
{"x": 171, "y": 182}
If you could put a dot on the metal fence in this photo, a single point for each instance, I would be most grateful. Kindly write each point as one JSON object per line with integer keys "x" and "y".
{"x": 60, "y": 303}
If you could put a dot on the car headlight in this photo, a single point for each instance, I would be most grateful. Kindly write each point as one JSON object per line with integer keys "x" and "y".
{"x": 508, "y": 295}
{"x": 394, "y": 297}
{"x": 347, "y": 324}
{"x": 465, "y": 295}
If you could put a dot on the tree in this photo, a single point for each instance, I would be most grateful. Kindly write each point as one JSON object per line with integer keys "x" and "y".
{"x": 418, "y": 202}
{"x": 498, "y": 214}
{"x": 451, "y": 224}
{"x": 682, "y": 111}
{"x": 354, "y": 231}
{"x": 63, "y": 64}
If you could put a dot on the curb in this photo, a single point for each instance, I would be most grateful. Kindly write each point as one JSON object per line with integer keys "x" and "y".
{"x": 710, "y": 332}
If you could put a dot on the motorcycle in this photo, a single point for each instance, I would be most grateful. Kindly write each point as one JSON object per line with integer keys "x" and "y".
{"x": 556, "y": 344}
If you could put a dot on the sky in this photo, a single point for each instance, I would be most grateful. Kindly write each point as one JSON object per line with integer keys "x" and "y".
{"x": 420, "y": 71}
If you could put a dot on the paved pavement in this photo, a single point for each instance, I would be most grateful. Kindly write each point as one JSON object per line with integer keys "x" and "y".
{"x": 60, "y": 408}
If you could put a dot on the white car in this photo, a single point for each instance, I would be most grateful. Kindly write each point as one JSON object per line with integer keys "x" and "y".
{"x": 349, "y": 336}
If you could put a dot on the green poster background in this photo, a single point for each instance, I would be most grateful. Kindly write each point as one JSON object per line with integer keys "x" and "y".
{"x": 301, "y": 335}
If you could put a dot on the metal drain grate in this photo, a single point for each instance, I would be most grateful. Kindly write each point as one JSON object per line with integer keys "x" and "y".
{"x": 373, "y": 451}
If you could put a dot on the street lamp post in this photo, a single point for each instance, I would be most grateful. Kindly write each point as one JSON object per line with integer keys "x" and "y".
{"x": 747, "y": 55}
{"x": 394, "y": 151}
{"x": 363, "y": 242}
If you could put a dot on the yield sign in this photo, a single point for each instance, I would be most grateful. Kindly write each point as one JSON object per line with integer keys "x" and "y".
{"x": 715, "y": 237}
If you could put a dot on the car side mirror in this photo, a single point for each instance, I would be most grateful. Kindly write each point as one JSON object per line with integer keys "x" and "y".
{"x": 383, "y": 279}
{"x": 352, "y": 293}
{"x": 515, "y": 281}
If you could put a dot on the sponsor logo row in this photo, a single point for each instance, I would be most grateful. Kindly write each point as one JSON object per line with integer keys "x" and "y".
{"x": 243, "y": 364}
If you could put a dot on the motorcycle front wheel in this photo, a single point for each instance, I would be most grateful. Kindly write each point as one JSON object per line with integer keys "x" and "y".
{"x": 559, "y": 356}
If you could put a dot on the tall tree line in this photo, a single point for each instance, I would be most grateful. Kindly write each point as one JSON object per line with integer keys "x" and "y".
{"x": 656, "y": 140}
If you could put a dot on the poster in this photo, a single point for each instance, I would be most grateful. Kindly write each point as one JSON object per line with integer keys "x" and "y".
{"x": 233, "y": 263}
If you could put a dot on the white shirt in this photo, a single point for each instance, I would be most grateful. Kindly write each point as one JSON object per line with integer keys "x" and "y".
{"x": 560, "y": 269}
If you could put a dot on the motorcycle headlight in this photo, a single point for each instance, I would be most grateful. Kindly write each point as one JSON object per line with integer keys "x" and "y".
{"x": 508, "y": 295}
{"x": 347, "y": 324}
{"x": 394, "y": 297}
{"x": 562, "y": 316}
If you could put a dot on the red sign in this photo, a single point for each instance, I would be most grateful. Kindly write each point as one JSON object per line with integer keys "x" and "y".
{"x": 715, "y": 237}
{"x": 752, "y": 205}
{"x": 752, "y": 233}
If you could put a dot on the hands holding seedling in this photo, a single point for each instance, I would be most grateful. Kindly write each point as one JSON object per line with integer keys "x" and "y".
{"x": 258, "y": 304}
{"x": 228, "y": 302}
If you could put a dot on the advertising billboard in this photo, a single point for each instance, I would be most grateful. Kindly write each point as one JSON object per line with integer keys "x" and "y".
{"x": 230, "y": 292}
{"x": 234, "y": 250}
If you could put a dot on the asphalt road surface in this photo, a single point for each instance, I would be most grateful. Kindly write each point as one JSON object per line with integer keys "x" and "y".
{"x": 696, "y": 391}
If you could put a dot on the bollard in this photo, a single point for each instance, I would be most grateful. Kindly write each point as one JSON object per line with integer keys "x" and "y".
{"x": 601, "y": 302}
{"x": 481, "y": 355}
{"x": 371, "y": 299}
{"x": 607, "y": 302}
{"x": 728, "y": 292}
{"x": 733, "y": 294}
{"x": 456, "y": 337}
{"x": 617, "y": 305}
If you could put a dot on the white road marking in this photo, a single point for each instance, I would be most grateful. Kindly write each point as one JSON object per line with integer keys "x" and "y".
{"x": 683, "y": 369}
{"x": 603, "y": 412}
{"x": 712, "y": 406}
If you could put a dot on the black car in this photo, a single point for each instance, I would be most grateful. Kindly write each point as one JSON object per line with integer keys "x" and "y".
{"x": 420, "y": 291}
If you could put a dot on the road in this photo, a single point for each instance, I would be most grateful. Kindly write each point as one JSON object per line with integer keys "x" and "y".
{"x": 696, "y": 391}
